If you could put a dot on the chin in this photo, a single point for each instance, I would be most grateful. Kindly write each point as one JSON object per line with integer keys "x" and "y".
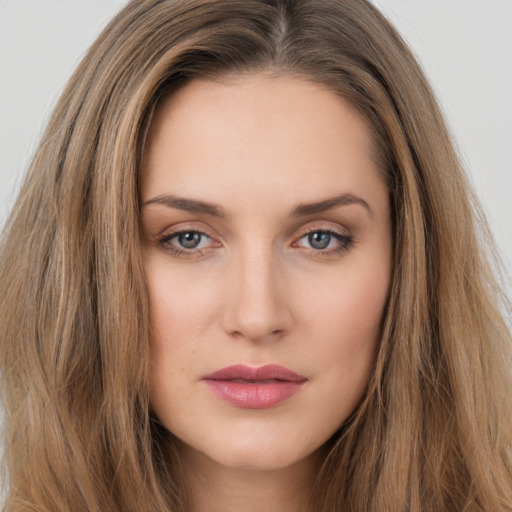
{"x": 256, "y": 452}
{"x": 256, "y": 459}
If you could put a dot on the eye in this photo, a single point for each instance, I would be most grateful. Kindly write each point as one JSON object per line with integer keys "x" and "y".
{"x": 190, "y": 239}
{"x": 187, "y": 242}
{"x": 324, "y": 241}
{"x": 319, "y": 239}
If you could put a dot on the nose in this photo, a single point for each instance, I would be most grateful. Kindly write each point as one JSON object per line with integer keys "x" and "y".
{"x": 258, "y": 308}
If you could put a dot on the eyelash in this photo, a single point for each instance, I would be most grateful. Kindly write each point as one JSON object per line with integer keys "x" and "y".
{"x": 165, "y": 242}
{"x": 346, "y": 242}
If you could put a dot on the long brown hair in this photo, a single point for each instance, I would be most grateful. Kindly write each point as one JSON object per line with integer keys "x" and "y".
{"x": 434, "y": 431}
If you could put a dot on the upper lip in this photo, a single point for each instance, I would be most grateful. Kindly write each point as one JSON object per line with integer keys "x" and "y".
{"x": 256, "y": 374}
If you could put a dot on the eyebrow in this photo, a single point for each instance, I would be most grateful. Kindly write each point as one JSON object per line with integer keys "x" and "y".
{"x": 328, "y": 204}
{"x": 188, "y": 205}
{"x": 301, "y": 210}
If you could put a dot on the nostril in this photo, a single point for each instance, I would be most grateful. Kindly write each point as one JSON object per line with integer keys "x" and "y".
{"x": 258, "y": 336}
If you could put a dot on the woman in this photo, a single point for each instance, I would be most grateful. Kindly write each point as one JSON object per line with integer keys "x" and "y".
{"x": 244, "y": 273}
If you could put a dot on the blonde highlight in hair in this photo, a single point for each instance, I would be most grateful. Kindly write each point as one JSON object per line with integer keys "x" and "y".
{"x": 433, "y": 432}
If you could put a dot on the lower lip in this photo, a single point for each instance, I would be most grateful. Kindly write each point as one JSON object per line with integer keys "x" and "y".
{"x": 254, "y": 395}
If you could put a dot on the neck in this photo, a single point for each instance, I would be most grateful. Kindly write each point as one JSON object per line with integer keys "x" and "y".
{"x": 214, "y": 487}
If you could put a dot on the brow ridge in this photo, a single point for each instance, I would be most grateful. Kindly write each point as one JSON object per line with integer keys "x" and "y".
{"x": 328, "y": 204}
{"x": 189, "y": 205}
{"x": 202, "y": 207}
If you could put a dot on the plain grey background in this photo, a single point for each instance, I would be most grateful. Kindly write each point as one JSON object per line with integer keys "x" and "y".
{"x": 465, "y": 47}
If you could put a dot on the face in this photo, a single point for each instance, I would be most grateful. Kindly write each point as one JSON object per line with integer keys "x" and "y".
{"x": 267, "y": 253}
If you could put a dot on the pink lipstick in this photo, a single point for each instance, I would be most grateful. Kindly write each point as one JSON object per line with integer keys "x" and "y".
{"x": 254, "y": 388}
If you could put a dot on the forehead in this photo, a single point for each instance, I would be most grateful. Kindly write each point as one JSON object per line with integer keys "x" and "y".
{"x": 256, "y": 131}
{"x": 259, "y": 102}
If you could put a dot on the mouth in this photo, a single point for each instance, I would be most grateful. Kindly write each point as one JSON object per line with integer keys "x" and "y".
{"x": 254, "y": 388}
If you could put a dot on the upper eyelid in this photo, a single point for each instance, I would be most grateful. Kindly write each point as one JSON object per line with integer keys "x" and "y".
{"x": 322, "y": 229}
{"x": 311, "y": 226}
{"x": 299, "y": 232}
{"x": 323, "y": 226}
{"x": 171, "y": 231}
{"x": 200, "y": 226}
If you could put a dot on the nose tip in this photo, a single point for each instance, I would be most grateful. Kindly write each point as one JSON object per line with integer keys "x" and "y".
{"x": 258, "y": 309}
{"x": 256, "y": 330}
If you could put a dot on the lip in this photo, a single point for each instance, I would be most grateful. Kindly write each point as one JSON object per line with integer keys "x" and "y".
{"x": 254, "y": 387}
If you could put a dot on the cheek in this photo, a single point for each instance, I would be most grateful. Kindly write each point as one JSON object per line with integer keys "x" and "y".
{"x": 345, "y": 326}
{"x": 350, "y": 305}
{"x": 179, "y": 314}
{"x": 181, "y": 307}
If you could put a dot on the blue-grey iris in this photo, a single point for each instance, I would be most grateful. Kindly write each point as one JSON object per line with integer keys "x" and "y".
{"x": 319, "y": 239}
{"x": 189, "y": 240}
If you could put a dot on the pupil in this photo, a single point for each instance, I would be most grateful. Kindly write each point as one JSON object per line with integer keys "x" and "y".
{"x": 189, "y": 240}
{"x": 319, "y": 239}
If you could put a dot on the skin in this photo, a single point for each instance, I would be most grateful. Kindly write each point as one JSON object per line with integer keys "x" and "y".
{"x": 257, "y": 290}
